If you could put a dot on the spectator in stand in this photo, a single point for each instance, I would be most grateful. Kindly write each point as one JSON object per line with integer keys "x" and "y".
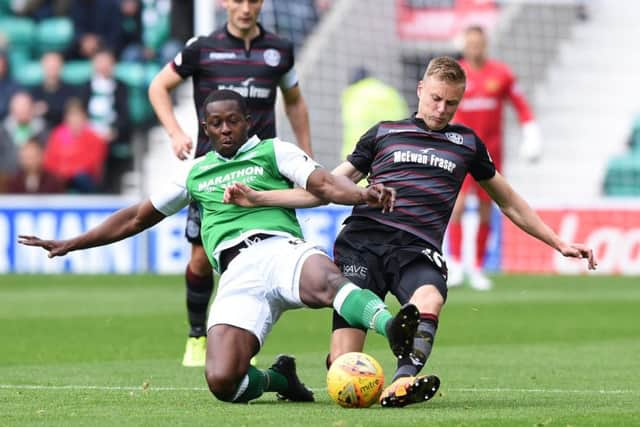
{"x": 181, "y": 26}
{"x": 131, "y": 42}
{"x": 489, "y": 84}
{"x": 8, "y": 86}
{"x": 8, "y": 158}
{"x": 51, "y": 96}
{"x": 106, "y": 101}
{"x": 75, "y": 152}
{"x": 141, "y": 39}
{"x": 31, "y": 177}
{"x": 40, "y": 9}
{"x": 97, "y": 24}
{"x": 22, "y": 123}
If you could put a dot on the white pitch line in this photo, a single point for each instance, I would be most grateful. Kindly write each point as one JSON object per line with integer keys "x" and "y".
{"x": 154, "y": 388}
{"x": 539, "y": 390}
{"x": 96, "y": 387}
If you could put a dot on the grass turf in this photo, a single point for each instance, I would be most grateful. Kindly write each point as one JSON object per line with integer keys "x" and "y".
{"x": 106, "y": 350}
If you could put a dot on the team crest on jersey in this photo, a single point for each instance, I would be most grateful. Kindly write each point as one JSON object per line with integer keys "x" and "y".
{"x": 454, "y": 137}
{"x": 272, "y": 57}
{"x": 491, "y": 85}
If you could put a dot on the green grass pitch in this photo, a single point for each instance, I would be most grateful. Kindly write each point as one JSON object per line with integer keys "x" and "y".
{"x": 106, "y": 350}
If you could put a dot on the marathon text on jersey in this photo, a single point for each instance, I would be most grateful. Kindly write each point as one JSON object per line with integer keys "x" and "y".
{"x": 248, "y": 172}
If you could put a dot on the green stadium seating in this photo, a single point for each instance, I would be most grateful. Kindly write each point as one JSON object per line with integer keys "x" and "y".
{"x": 18, "y": 58}
{"x": 54, "y": 34}
{"x": 623, "y": 175}
{"x": 18, "y": 31}
{"x": 5, "y": 8}
{"x": 131, "y": 73}
{"x": 30, "y": 74}
{"x": 157, "y": 32}
{"x": 135, "y": 76}
{"x": 150, "y": 71}
{"x": 634, "y": 141}
{"x": 19, "y": 35}
{"x": 77, "y": 72}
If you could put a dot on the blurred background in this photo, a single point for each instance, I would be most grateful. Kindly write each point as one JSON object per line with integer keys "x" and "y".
{"x": 574, "y": 61}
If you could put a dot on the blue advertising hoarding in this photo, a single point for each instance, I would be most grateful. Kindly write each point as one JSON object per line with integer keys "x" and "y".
{"x": 162, "y": 249}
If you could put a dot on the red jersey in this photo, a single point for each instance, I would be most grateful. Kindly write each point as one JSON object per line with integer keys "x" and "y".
{"x": 67, "y": 154}
{"x": 482, "y": 105}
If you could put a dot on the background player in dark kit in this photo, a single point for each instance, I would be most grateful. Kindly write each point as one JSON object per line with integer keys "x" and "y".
{"x": 240, "y": 56}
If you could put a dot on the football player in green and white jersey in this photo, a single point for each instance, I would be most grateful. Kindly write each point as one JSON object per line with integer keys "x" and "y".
{"x": 266, "y": 267}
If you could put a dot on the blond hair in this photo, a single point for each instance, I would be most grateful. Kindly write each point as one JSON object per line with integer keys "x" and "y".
{"x": 447, "y": 69}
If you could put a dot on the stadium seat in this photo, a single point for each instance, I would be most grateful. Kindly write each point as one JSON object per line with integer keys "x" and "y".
{"x": 54, "y": 34}
{"x": 30, "y": 74}
{"x": 634, "y": 142}
{"x": 623, "y": 175}
{"x": 131, "y": 73}
{"x": 18, "y": 58}
{"x": 5, "y": 7}
{"x": 150, "y": 71}
{"x": 19, "y": 34}
{"x": 156, "y": 24}
{"x": 18, "y": 31}
{"x": 77, "y": 72}
{"x": 135, "y": 76}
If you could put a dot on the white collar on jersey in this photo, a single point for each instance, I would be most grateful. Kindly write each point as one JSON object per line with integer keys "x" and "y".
{"x": 251, "y": 142}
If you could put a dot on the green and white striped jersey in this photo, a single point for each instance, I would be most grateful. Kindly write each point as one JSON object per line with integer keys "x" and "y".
{"x": 269, "y": 164}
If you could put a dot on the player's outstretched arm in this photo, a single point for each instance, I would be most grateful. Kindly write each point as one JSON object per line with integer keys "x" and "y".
{"x": 160, "y": 97}
{"x": 522, "y": 215}
{"x": 242, "y": 195}
{"x": 341, "y": 190}
{"x": 118, "y": 226}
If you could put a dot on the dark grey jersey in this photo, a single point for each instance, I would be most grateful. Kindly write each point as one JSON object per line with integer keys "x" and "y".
{"x": 220, "y": 61}
{"x": 426, "y": 168}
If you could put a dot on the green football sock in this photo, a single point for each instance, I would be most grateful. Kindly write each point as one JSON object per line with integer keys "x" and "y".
{"x": 362, "y": 308}
{"x": 258, "y": 381}
{"x": 251, "y": 387}
{"x": 275, "y": 381}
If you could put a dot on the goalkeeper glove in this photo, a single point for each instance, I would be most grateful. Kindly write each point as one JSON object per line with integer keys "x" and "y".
{"x": 531, "y": 147}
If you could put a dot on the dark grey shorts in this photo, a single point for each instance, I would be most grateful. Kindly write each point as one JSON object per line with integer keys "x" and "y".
{"x": 385, "y": 260}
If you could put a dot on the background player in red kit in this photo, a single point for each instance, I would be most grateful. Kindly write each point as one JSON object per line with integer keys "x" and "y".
{"x": 489, "y": 84}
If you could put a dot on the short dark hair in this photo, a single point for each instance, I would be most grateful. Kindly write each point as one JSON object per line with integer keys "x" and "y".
{"x": 475, "y": 29}
{"x": 226, "y": 95}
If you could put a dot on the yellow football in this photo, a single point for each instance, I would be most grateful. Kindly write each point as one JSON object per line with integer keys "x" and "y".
{"x": 355, "y": 380}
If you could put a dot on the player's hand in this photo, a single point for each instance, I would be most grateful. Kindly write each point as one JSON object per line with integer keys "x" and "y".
{"x": 182, "y": 145}
{"x": 55, "y": 247}
{"x": 240, "y": 194}
{"x": 578, "y": 250}
{"x": 377, "y": 195}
